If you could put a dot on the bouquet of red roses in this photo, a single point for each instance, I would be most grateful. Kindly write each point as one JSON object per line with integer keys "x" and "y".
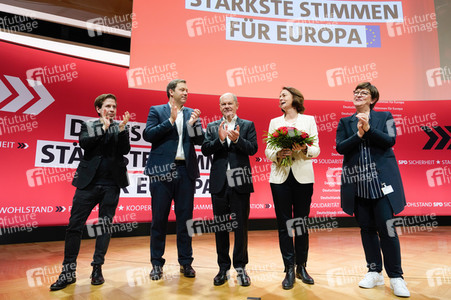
{"x": 286, "y": 137}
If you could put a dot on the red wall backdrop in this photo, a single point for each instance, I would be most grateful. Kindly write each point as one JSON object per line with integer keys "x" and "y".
{"x": 39, "y": 153}
{"x": 193, "y": 37}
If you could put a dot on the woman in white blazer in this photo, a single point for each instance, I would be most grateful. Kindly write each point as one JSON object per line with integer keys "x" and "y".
{"x": 292, "y": 186}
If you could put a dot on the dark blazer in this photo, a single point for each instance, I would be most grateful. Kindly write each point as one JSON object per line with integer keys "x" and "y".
{"x": 164, "y": 138}
{"x": 237, "y": 155}
{"x": 93, "y": 140}
{"x": 381, "y": 143}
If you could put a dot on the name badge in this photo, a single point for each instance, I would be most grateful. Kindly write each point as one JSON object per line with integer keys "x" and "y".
{"x": 387, "y": 189}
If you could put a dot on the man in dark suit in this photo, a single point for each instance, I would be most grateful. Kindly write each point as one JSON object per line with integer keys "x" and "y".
{"x": 99, "y": 177}
{"x": 371, "y": 186}
{"x": 231, "y": 140}
{"x": 173, "y": 130}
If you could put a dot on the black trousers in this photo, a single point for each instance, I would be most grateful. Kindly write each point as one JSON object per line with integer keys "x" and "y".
{"x": 373, "y": 217}
{"x": 107, "y": 196}
{"x": 292, "y": 201}
{"x": 229, "y": 202}
{"x": 180, "y": 188}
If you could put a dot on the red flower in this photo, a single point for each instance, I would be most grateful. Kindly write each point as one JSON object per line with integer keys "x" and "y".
{"x": 287, "y": 137}
{"x": 283, "y": 130}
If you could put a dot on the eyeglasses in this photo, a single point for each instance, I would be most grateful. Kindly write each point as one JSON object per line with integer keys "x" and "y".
{"x": 363, "y": 93}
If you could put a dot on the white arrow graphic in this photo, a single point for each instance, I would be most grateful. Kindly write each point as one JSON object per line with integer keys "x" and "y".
{"x": 4, "y": 92}
{"x": 24, "y": 95}
{"x": 23, "y": 146}
{"x": 46, "y": 98}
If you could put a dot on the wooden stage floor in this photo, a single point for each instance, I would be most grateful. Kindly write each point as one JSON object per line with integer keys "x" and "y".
{"x": 336, "y": 262}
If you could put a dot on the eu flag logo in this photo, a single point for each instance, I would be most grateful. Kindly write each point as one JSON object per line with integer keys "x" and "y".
{"x": 373, "y": 36}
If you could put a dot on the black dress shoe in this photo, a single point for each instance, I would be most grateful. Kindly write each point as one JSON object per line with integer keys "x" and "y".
{"x": 242, "y": 278}
{"x": 289, "y": 279}
{"x": 221, "y": 277}
{"x": 96, "y": 275}
{"x": 156, "y": 273}
{"x": 63, "y": 280}
{"x": 188, "y": 271}
{"x": 302, "y": 274}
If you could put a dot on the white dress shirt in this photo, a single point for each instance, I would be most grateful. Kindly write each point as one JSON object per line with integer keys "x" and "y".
{"x": 180, "y": 155}
{"x": 230, "y": 126}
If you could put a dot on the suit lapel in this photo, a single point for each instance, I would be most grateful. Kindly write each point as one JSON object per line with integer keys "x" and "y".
{"x": 216, "y": 125}
{"x": 238, "y": 122}
{"x": 353, "y": 123}
{"x": 167, "y": 111}
{"x": 186, "y": 116}
{"x": 374, "y": 120}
